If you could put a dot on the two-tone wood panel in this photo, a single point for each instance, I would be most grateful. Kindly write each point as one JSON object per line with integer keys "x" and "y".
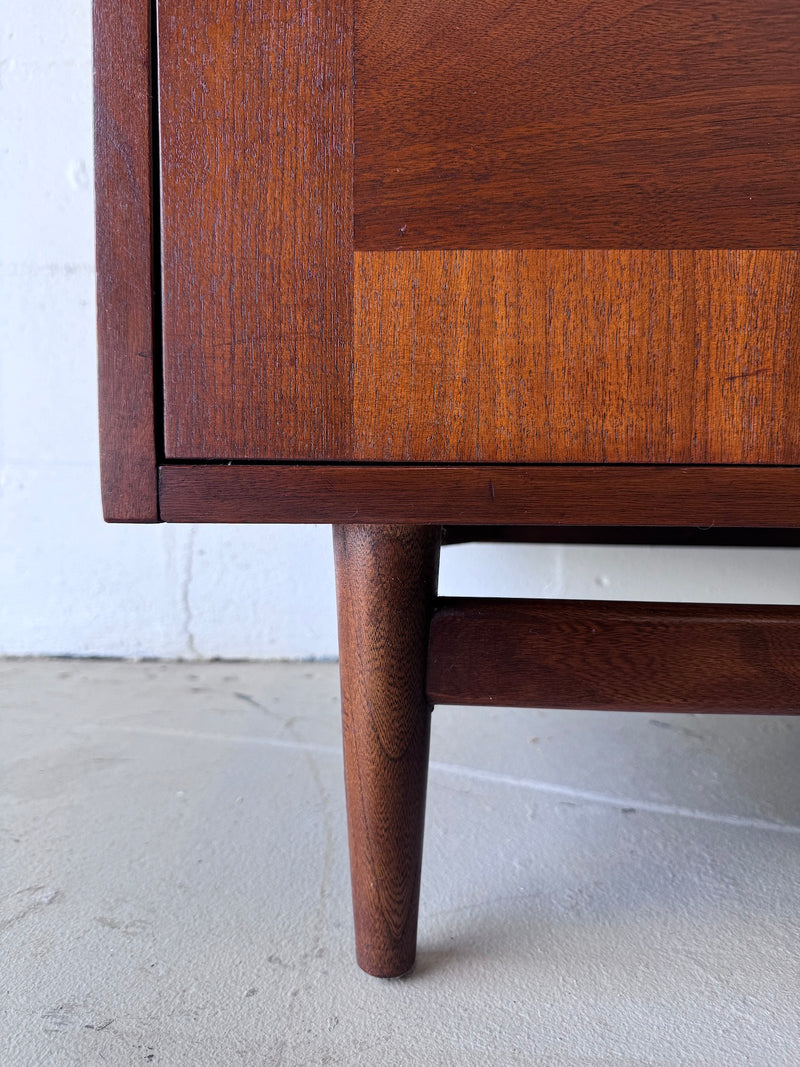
{"x": 575, "y": 231}
{"x": 575, "y": 228}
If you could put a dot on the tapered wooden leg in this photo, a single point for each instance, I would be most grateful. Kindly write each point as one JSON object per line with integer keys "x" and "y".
{"x": 385, "y": 588}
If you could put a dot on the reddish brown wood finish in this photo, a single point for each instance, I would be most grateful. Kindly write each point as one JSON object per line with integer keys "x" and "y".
{"x": 491, "y": 129}
{"x": 385, "y": 588}
{"x": 495, "y": 495}
{"x": 256, "y": 152}
{"x": 556, "y": 356}
{"x": 125, "y": 278}
{"x": 577, "y": 357}
{"x": 615, "y": 124}
{"x": 615, "y": 656}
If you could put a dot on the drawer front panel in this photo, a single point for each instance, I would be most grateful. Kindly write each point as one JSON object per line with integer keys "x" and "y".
{"x": 488, "y": 314}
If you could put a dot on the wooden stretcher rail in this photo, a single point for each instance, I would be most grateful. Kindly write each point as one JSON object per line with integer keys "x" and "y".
{"x": 615, "y": 656}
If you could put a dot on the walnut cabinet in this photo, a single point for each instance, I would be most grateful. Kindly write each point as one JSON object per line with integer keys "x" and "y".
{"x": 438, "y": 269}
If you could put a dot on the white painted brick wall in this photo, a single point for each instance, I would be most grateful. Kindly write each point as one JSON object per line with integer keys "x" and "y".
{"x": 71, "y": 585}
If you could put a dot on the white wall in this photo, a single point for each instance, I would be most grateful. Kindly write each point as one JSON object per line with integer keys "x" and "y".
{"x": 68, "y": 583}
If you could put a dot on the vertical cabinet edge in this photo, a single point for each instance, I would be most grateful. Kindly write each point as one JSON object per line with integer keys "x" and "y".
{"x": 126, "y": 259}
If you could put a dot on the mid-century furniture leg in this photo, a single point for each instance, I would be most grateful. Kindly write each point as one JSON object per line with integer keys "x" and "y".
{"x": 385, "y": 587}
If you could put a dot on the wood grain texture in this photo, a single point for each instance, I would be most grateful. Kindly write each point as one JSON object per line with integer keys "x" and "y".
{"x": 584, "y": 357}
{"x": 125, "y": 273}
{"x": 576, "y": 495}
{"x": 617, "y": 657}
{"x": 385, "y": 588}
{"x": 256, "y": 149}
{"x": 615, "y": 124}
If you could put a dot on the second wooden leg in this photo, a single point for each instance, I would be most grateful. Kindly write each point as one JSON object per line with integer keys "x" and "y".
{"x": 385, "y": 587}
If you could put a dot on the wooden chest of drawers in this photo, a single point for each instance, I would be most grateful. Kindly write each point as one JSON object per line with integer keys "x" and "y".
{"x": 433, "y": 264}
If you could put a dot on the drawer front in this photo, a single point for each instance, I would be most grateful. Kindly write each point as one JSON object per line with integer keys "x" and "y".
{"x": 520, "y": 233}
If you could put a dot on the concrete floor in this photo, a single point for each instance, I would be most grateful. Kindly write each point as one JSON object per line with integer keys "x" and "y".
{"x": 598, "y": 888}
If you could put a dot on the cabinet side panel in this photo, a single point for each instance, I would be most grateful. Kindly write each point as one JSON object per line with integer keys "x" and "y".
{"x": 123, "y": 191}
{"x": 571, "y": 356}
{"x": 256, "y": 153}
